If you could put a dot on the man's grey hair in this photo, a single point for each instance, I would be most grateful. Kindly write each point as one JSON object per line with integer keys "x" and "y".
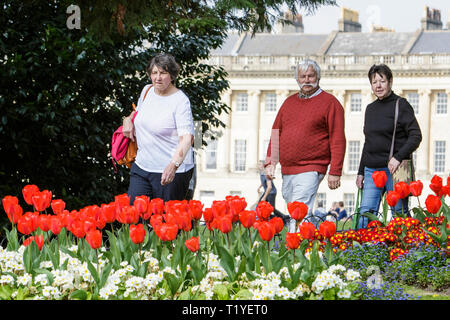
{"x": 304, "y": 65}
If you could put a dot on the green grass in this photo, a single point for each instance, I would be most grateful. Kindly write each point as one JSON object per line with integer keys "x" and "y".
{"x": 425, "y": 294}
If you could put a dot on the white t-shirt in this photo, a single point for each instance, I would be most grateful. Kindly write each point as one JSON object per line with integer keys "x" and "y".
{"x": 160, "y": 121}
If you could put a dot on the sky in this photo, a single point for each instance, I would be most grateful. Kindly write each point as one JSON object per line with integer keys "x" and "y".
{"x": 400, "y": 15}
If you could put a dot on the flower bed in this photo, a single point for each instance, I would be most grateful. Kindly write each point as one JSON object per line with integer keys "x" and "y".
{"x": 157, "y": 250}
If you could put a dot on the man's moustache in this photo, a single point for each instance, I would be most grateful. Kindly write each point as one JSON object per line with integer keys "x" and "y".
{"x": 314, "y": 84}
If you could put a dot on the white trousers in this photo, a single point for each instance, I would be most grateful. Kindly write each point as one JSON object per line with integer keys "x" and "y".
{"x": 301, "y": 187}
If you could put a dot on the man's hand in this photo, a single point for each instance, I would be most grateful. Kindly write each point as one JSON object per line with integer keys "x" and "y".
{"x": 334, "y": 182}
{"x": 270, "y": 172}
{"x": 359, "y": 181}
{"x": 393, "y": 165}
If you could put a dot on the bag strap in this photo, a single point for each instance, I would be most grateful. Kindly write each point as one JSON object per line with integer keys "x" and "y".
{"x": 391, "y": 153}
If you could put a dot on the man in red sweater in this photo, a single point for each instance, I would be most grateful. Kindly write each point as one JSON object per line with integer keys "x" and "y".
{"x": 307, "y": 137}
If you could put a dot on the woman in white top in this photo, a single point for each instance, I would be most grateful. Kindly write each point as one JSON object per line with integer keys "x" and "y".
{"x": 164, "y": 130}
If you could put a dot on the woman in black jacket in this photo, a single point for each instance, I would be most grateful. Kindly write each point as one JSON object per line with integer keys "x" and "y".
{"x": 378, "y": 132}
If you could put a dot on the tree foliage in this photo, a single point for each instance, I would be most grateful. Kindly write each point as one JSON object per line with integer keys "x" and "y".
{"x": 64, "y": 91}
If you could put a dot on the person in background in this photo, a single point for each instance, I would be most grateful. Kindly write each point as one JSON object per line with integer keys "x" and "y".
{"x": 269, "y": 192}
{"x": 164, "y": 130}
{"x": 307, "y": 137}
{"x": 378, "y": 131}
{"x": 342, "y": 212}
{"x": 319, "y": 214}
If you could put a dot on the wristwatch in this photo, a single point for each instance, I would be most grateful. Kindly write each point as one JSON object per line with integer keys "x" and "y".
{"x": 176, "y": 163}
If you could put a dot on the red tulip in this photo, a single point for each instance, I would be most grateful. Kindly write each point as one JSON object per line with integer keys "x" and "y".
{"x": 141, "y": 203}
{"x": 436, "y": 184}
{"x": 94, "y": 238}
{"x": 77, "y": 228}
{"x": 121, "y": 201}
{"x": 128, "y": 215}
{"x": 42, "y": 200}
{"x": 416, "y": 188}
{"x": 265, "y": 231}
{"x": 137, "y": 233}
{"x": 166, "y": 231}
{"x": 236, "y": 204}
{"x": 44, "y": 222}
{"x": 264, "y": 210}
{"x": 208, "y": 215}
{"x": 292, "y": 240}
{"x": 28, "y": 192}
{"x": 433, "y": 203}
{"x": 297, "y": 210}
{"x": 39, "y": 240}
{"x": 327, "y": 229}
{"x": 224, "y": 223}
{"x": 192, "y": 244}
{"x": 58, "y": 206}
{"x": 392, "y": 198}
{"x": 157, "y": 205}
{"x": 219, "y": 208}
{"x": 156, "y": 219}
{"x": 184, "y": 221}
{"x": 195, "y": 209}
{"x": 379, "y": 178}
{"x": 277, "y": 223}
{"x": 109, "y": 212}
{"x": 55, "y": 224}
{"x": 247, "y": 218}
{"x": 12, "y": 208}
{"x": 25, "y": 225}
{"x": 307, "y": 230}
{"x": 402, "y": 188}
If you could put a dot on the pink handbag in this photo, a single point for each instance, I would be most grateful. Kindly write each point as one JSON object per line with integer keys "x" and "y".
{"x": 120, "y": 145}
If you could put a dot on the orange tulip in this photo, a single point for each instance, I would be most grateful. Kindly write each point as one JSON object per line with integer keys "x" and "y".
{"x": 192, "y": 244}
{"x": 137, "y": 233}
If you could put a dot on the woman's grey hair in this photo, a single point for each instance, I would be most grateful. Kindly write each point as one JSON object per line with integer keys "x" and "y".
{"x": 166, "y": 62}
{"x": 304, "y": 65}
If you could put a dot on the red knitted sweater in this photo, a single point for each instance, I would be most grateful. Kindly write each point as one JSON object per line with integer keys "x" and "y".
{"x": 310, "y": 135}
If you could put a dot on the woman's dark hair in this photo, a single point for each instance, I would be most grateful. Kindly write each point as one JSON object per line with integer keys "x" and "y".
{"x": 166, "y": 62}
{"x": 380, "y": 69}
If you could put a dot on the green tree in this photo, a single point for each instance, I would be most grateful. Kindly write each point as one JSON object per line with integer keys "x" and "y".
{"x": 64, "y": 91}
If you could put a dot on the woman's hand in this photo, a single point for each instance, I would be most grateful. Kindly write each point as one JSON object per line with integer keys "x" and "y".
{"x": 270, "y": 172}
{"x": 168, "y": 174}
{"x": 393, "y": 165}
{"x": 359, "y": 181}
{"x": 128, "y": 127}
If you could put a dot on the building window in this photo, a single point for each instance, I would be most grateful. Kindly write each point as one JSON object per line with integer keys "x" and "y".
{"x": 211, "y": 155}
{"x": 240, "y": 150}
{"x": 267, "y": 60}
{"x": 271, "y": 102}
{"x": 441, "y": 103}
{"x": 353, "y": 156}
{"x": 207, "y": 197}
{"x": 242, "y": 102}
{"x": 439, "y": 156}
{"x": 321, "y": 197}
{"x": 349, "y": 203}
{"x": 355, "y": 102}
{"x": 413, "y": 99}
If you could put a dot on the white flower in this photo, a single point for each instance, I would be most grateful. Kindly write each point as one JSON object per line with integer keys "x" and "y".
{"x": 6, "y": 279}
{"x": 352, "y": 275}
{"x": 344, "y": 294}
{"x": 46, "y": 291}
{"x": 25, "y": 280}
{"x": 161, "y": 291}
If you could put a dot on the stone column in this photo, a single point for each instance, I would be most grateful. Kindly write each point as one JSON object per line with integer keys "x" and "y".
{"x": 254, "y": 111}
{"x": 424, "y": 154}
{"x": 340, "y": 95}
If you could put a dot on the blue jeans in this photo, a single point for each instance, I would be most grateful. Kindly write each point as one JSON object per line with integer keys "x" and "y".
{"x": 371, "y": 196}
